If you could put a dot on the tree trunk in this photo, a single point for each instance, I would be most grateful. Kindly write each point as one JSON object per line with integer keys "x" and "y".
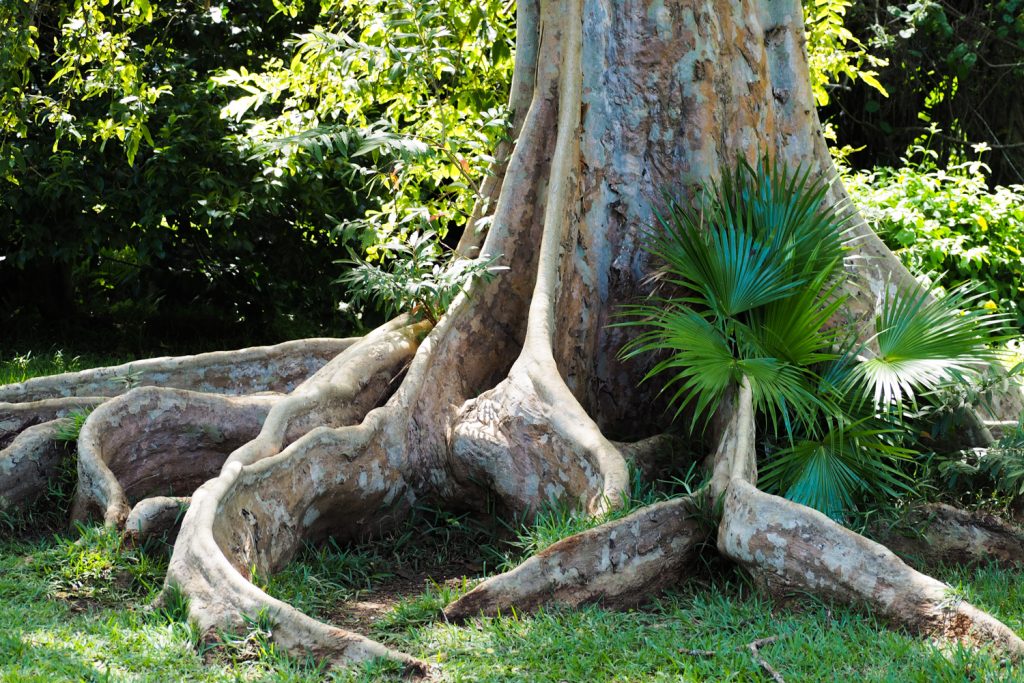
{"x": 515, "y": 394}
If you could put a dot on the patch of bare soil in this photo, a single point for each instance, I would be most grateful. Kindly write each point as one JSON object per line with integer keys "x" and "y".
{"x": 363, "y": 611}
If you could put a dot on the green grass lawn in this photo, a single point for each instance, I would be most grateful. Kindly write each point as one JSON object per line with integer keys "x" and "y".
{"x": 74, "y": 606}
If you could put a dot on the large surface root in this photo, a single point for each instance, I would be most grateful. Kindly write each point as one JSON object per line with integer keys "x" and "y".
{"x": 937, "y": 533}
{"x": 16, "y": 417}
{"x": 30, "y": 449}
{"x": 155, "y": 517}
{"x": 29, "y": 464}
{"x": 250, "y": 520}
{"x": 620, "y": 563}
{"x": 277, "y": 368}
{"x": 789, "y": 547}
{"x": 342, "y": 392}
{"x": 529, "y": 450}
{"x": 155, "y": 441}
{"x": 158, "y": 441}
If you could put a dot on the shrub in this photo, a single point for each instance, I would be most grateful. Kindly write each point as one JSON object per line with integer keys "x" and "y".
{"x": 753, "y": 273}
{"x": 947, "y": 220}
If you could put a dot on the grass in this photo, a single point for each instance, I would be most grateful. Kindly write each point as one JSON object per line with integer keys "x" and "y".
{"x": 75, "y": 605}
{"x": 19, "y": 367}
{"x": 75, "y": 608}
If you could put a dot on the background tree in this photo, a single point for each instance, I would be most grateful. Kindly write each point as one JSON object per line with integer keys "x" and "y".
{"x": 188, "y": 174}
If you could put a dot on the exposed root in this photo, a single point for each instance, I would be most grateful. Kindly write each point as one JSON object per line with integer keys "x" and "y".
{"x": 529, "y": 440}
{"x": 791, "y": 547}
{"x": 735, "y": 457}
{"x": 155, "y": 441}
{"x": 620, "y": 563}
{"x": 155, "y": 517}
{"x": 29, "y": 463}
{"x": 529, "y": 450}
{"x": 934, "y": 534}
{"x": 160, "y": 441}
{"x": 30, "y": 454}
{"x": 16, "y": 417}
{"x": 341, "y": 392}
{"x": 251, "y": 519}
{"x": 277, "y": 368}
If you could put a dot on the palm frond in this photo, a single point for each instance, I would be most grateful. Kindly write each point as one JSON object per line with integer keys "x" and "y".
{"x": 700, "y": 365}
{"x": 795, "y": 328}
{"x": 831, "y": 472}
{"x": 782, "y": 392}
{"x": 924, "y": 342}
{"x": 729, "y": 267}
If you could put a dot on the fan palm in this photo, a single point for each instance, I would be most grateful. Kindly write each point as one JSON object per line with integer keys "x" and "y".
{"x": 757, "y": 260}
{"x": 755, "y": 264}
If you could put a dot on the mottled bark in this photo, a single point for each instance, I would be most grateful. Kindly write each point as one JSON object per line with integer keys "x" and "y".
{"x": 934, "y": 534}
{"x": 517, "y": 393}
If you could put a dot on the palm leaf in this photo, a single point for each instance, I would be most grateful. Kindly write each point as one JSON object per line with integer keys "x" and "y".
{"x": 924, "y": 342}
{"x": 846, "y": 462}
{"x": 726, "y": 265}
{"x": 700, "y": 365}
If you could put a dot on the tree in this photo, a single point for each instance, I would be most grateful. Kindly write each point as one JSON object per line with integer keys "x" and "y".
{"x": 512, "y": 396}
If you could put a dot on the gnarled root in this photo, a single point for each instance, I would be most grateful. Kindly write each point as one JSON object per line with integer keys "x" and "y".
{"x": 155, "y": 517}
{"x": 788, "y": 547}
{"x": 29, "y": 463}
{"x": 30, "y": 453}
{"x": 161, "y": 441}
{"x": 938, "y": 533}
{"x": 340, "y": 393}
{"x": 530, "y": 443}
{"x": 791, "y": 547}
{"x": 277, "y": 368}
{"x": 620, "y": 563}
{"x": 155, "y": 441}
{"x": 251, "y": 519}
{"x": 17, "y": 417}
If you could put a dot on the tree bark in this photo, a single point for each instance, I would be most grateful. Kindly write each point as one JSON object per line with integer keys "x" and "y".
{"x": 517, "y": 392}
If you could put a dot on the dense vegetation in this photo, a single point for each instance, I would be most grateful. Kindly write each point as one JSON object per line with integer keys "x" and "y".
{"x": 186, "y": 174}
{"x": 958, "y": 66}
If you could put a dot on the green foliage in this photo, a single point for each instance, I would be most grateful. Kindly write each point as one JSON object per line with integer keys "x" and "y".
{"x": 410, "y": 94}
{"x": 925, "y": 343}
{"x": 71, "y": 426}
{"x": 96, "y": 566}
{"x": 992, "y": 475}
{"x": 415, "y": 276}
{"x": 124, "y": 202}
{"x": 947, "y": 220}
{"x": 949, "y": 64}
{"x": 423, "y": 609}
{"x": 755, "y": 267}
{"x": 757, "y": 258}
{"x": 20, "y": 367}
{"x": 834, "y": 53}
{"x": 194, "y": 167}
